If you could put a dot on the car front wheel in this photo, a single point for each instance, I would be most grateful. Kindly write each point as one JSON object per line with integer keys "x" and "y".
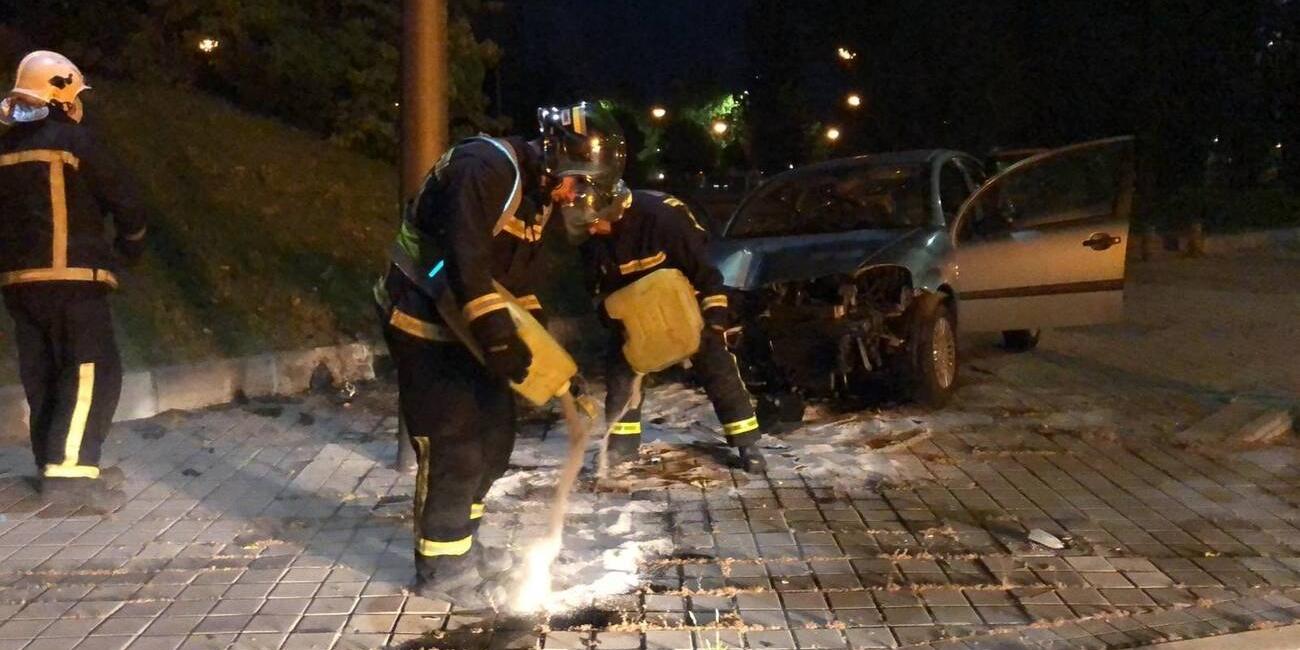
{"x": 931, "y": 372}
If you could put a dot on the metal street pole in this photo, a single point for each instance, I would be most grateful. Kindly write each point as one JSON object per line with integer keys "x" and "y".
{"x": 425, "y": 118}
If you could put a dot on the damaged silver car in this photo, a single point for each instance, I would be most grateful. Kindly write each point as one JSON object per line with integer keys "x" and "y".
{"x": 858, "y": 270}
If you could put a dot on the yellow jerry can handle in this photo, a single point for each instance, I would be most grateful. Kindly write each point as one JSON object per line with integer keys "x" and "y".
{"x": 552, "y": 368}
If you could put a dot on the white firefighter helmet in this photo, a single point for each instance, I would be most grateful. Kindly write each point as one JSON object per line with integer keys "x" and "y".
{"x": 47, "y": 77}
{"x": 44, "y": 78}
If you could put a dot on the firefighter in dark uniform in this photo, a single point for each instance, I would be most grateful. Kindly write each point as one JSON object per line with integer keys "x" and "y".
{"x": 474, "y": 230}
{"x": 643, "y": 232}
{"x": 56, "y": 270}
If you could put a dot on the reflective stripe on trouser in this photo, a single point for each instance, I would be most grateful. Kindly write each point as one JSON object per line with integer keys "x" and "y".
{"x": 461, "y": 421}
{"x": 70, "y": 370}
{"x": 715, "y": 370}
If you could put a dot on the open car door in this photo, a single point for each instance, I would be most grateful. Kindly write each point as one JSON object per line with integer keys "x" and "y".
{"x": 1042, "y": 244}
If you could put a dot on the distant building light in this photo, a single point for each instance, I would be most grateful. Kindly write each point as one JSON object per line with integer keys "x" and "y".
{"x": 1277, "y": 146}
{"x": 720, "y": 127}
{"x": 832, "y": 134}
{"x": 658, "y": 112}
{"x": 1216, "y": 140}
{"x": 846, "y": 54}
{"x": 1271, "y": 43}
{"x": 660, "y": 176}
{"x": 854, "y": 100}
{"x": 791, "y": 165}
{"x": 208, "y": 45}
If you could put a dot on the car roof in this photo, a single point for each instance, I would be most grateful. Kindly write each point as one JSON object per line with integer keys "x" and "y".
{"x": 910, "y": 157}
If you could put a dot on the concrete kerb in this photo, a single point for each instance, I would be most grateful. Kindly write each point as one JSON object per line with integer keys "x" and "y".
{"x": 209, "y": 383}
{"x": 147, "y": 393}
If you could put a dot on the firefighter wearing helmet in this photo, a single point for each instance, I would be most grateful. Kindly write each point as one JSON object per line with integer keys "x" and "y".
{"x": 633, "y": 235}
{"x": 57, "y": 186}
{"x": 469, "y": 241}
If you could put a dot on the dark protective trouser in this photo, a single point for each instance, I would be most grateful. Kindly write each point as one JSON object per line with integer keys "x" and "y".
{"x": 462, "y": 423}
{"x": 70, "y": 369}
{"x": 715, "y": 368}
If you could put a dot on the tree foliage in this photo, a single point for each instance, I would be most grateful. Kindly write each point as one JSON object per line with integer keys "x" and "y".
{"x": 329, "y": 66}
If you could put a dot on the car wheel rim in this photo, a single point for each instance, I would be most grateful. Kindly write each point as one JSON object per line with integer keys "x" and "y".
{"x": 944, "y": 352}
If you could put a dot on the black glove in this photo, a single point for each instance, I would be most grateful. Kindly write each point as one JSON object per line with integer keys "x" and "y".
{"x": 504, "y": 353}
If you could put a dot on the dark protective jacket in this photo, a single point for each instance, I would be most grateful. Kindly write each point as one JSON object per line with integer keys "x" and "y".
{"x": 656, "y": 232}
{"x": 56, "y": 184}
{"x": 465, "y": 228}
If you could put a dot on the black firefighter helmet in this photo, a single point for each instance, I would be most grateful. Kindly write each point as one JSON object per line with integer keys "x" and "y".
{"x": 583, "y": 140}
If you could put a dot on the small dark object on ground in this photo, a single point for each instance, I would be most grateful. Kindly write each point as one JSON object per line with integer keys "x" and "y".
{"x": 150, "y": 430}
{"x": 267, "y": 411}
{"x": 191, "y": 472}
{"x": 306, "y": 419}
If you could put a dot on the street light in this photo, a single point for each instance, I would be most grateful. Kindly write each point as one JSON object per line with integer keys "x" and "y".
{"x": 207, "y": 45}
{"x": 832, "y": 134}
{"x": 846, "y": 54}
{"x": 854, "y": 100}
{"x": 720, "y": 127}
{"x": 658, "y": 112}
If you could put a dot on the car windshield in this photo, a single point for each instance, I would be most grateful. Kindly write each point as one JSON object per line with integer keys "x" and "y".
{"x": 874, "y": 196}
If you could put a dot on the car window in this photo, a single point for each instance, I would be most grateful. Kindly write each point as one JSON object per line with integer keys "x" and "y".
{"x": 953, "y": 189}
{"x": 1065, "y": 186}
{"x": 867, "y": 197}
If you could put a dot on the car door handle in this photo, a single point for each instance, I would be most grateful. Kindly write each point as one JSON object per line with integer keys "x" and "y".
{"x": 1100, "y": 241}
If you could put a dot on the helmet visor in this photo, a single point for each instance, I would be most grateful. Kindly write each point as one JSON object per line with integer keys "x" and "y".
{"x": 593, "y": 201}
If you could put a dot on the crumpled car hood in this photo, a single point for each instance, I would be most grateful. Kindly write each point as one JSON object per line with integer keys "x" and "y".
{"x": 748, "y": 264}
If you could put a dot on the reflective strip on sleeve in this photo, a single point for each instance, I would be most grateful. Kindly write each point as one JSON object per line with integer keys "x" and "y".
{"x": 626, "y": 429}
{"x": 476, "y": 511}
{"x": 738, "y": 428}
{"x": 710, "y": 302}
{"x": 636, "y": 266}
{"x": 483, "y": 305}
{"x": 70, "y": 471}
{"x": 517, "y": 228}
{"x": 420, "y": 329}
{"x": 531, "y": 303}
{"x": 430, "y": 548}
{"x": 137, "y": 236}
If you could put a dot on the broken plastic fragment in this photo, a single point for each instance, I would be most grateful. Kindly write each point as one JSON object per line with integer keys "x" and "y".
{"x": 1044, "y": 538}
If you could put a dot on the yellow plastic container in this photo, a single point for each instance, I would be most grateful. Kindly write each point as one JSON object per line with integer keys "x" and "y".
{"x": 662, "y": 319}
{"x": 552, "y": 367}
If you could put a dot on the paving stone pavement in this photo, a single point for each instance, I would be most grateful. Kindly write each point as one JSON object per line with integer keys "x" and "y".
{"x": 281, "y": 525}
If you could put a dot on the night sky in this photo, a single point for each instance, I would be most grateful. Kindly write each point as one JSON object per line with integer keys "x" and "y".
{"x": 642, "y": 51}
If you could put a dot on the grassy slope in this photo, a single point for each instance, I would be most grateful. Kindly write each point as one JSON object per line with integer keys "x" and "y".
{"x": 267, "y": 238}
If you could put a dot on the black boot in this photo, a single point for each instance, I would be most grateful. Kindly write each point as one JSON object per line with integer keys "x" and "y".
{"x": 751, "y": 459}
{"x": 623, "y": 449}
{"x": 451, "y": 578}
{"x": 493, "y": 561}
{"x": 84, "y": 494}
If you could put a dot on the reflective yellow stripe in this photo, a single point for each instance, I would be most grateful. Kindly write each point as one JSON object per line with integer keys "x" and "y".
{"x": 421, "y": 480}
{"x": 70, "y": 471}
{"x": 476, "y": 511}
{"x": 40, "y": 155}
{"x": 531, "y": 303}
{"x": 516, "y": 227}
{"x": 80, "y": 413}
{"x": 626, "y": 429}
{"x": 484, "y": 304}
{"x": 420, "y": 329}
{"x": 714, "y": 301}
{"x": 743, "y": 426}
{"x": 674, "y": 202}
{"x": 430, "y": 548}
{"x": 636, "y": 266}
{"x": 53, "y": 275}
{"x": 59, "y": 214}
